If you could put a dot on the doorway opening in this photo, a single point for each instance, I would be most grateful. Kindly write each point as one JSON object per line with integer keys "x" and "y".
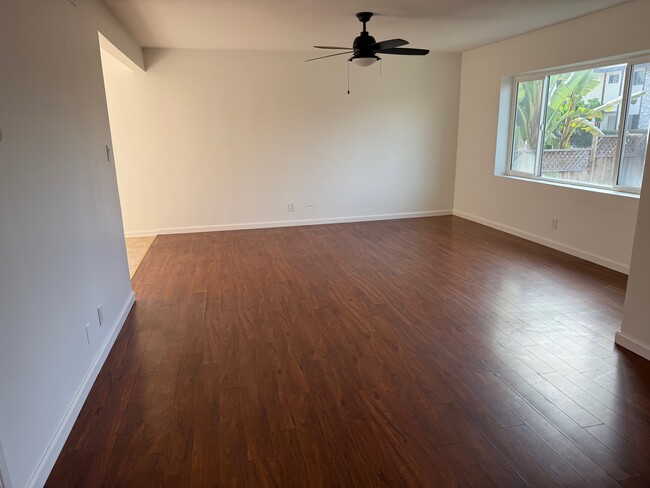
{"x": 121, "y": 76}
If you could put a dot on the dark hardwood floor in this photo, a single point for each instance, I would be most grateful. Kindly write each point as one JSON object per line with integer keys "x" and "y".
{"x": 424, "y": 352}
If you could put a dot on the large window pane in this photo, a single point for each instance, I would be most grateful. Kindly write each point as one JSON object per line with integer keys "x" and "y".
{"x": 526, "y": 133}
{"x": 637, "y": 121}
{"x": 581, "y": 127}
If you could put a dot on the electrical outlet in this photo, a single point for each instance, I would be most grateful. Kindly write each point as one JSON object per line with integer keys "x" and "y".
{"x": 290, "y": 207}
{"x": 100, "y": 315}
{"x": 309, "y": 205}
{"x": 554, "y": 223}
{"x": 88, "y": 333}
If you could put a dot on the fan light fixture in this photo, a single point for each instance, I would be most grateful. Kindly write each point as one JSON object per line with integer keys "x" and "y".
{"x": 364, "y": 61}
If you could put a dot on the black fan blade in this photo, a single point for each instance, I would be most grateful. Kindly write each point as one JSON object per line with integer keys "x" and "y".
{"x": 332, "y": 47}
{"x": 389, "y": 44}
{"x": 407, "y": 51}
{"x": 329, "y": 56}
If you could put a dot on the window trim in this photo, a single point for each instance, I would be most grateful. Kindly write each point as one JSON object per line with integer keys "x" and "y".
{"x": 629, "y": 61}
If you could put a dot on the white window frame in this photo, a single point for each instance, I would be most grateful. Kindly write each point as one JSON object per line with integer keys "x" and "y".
{"x": 544, "y": 75}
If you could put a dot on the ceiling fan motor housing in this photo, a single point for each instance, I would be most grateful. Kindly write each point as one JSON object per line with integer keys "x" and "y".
{"x": 361, "y": 43}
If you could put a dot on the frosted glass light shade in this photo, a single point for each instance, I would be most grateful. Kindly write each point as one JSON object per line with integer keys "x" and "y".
{"x": 364, "y": 61}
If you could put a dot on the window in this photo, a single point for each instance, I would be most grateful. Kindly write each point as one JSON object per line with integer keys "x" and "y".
{"x": 609, "y": 124}
{"x": 527, "y": 119}
{"x": 587, "y": 127}
{"x": 639, "y": 76}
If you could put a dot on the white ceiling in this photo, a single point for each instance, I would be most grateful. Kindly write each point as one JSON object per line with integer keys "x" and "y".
{"x": 439, "y": 25}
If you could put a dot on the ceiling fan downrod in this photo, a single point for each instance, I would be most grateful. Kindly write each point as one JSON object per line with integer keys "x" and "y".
{"x": 364, "y": 17}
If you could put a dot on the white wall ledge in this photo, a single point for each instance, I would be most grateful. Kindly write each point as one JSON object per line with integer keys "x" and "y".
{"x": 594, "y": 189}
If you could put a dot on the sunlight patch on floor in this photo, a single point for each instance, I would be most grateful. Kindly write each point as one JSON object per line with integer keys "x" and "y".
{"x": 136, "y": 248}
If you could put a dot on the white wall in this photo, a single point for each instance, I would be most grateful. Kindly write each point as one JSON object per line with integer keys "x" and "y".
{"x": 596, "y": 226}
{"x": 61, "y": 243}
{"x": 635, "y": 329}
{"x": 219, "y": 139}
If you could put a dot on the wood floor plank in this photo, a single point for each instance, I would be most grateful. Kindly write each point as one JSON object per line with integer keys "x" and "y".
{"x": 312, "y": 444}
{"x": 232, "y": 448}
{"x": 486, "y": 423}
{"x": 205, "y": 467}
{"x": 550, "y": 461}
{"x": 421, "y": 352}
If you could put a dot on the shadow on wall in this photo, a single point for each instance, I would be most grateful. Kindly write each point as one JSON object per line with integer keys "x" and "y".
{"x": 154, "y": 56}
{"x": 4, "y": 482}
{"x": 110, "y": 48}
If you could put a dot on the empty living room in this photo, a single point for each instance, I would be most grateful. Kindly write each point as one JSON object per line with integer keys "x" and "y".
{"x": 324, "y": 244}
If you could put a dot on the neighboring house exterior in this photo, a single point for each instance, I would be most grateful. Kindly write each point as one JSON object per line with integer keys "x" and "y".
{"x": 610, "y": 87}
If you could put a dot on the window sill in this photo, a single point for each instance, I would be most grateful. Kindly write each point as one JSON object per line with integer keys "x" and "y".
{"x": 605, "y": 191}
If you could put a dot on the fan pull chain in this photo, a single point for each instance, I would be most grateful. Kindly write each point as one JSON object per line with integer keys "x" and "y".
{"x": 349, "y": 77}
{"x": 380, "y": 67}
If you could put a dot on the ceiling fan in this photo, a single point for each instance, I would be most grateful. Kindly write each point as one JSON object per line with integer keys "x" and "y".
{"x": 364, "y": 50}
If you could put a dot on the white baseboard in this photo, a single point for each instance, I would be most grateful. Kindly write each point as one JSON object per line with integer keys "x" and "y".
{"x": 636, "y": 347}
{"x": 52, "y": 452}
{"x": 141, "y": 233}
{"x": 285, "y": 223}
{"x": 573, "y": 251}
